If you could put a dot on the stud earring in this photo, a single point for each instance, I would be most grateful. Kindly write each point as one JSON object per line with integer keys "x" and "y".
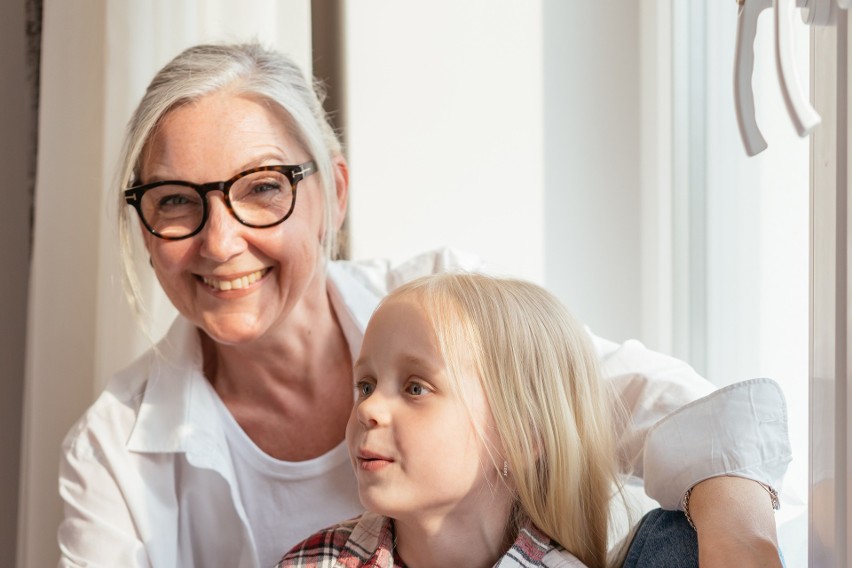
{"x": 505, "y": 468}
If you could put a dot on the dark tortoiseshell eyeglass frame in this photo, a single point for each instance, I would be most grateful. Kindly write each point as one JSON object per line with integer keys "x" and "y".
{"x": 295, "y": 174}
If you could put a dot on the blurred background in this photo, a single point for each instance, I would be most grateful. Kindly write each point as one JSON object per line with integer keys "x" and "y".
{"x": 588, "y": 146}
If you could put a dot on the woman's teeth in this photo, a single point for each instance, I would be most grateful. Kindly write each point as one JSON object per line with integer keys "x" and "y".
{"x": 235, "y": 284}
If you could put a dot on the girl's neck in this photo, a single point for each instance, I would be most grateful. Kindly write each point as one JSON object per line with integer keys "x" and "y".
{"x": 469, "y": 539}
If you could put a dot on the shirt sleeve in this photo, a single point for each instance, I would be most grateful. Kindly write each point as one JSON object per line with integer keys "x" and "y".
{"x": 677, "y": 431}
{"x": 739, "y": 430}
{"x": 97, "y": 529}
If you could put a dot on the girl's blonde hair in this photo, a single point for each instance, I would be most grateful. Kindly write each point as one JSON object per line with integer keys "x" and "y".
{"x": 553, "y": 413}
{"x": 244, "y": 70}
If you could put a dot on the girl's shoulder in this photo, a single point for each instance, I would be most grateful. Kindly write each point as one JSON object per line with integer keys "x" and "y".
{"x": 349, "y": 544}
{"x": 558, "y": 557}
{"x": 321, "y": 549}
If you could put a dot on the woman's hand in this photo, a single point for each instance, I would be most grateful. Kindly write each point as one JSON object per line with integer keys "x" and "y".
{"x": 735, "y": 523}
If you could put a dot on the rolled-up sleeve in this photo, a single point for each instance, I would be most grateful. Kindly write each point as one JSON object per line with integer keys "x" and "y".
{"x": 739, "y": 430}
{"x": 677, "y": 430}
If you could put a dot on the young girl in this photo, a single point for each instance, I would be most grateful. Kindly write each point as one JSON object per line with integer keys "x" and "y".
{"x": 481, "y": 435}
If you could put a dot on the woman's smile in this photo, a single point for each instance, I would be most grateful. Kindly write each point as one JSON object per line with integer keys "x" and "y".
{"x": 234, "y": 282}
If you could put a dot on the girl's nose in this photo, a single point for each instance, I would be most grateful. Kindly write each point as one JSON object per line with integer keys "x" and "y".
{"x": 373, "y": 411}
{"x": 222, "y": 237}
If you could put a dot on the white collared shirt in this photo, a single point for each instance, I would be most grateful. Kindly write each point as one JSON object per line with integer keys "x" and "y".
{"x": 148, "y": 479}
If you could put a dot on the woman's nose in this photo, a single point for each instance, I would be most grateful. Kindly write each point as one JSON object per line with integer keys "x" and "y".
{"x": 222, "y": 237}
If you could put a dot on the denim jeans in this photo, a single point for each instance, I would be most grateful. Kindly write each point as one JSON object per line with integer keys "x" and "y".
{"x": 664, "y": 539}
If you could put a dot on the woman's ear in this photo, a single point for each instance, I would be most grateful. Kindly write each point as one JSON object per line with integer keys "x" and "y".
{"x": 341, "y": 184}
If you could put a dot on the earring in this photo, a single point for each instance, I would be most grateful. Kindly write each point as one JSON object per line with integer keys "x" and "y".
{"x": 151, "y": 261}
{"x": 505, "y": 468}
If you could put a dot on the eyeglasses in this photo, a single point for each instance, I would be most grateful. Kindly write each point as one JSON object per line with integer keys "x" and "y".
{"x": 260, "y": 197}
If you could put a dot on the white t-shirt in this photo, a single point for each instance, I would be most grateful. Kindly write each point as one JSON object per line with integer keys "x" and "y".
{"x": 280, "y": 497}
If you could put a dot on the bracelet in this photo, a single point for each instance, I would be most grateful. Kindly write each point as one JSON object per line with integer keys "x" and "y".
{"x": 684, "y": 503}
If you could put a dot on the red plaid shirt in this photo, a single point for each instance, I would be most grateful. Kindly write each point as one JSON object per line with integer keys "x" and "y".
{"x": 367, "y": 542}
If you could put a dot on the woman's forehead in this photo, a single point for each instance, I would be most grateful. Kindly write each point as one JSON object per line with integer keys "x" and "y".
{"x": 216, "y": 137}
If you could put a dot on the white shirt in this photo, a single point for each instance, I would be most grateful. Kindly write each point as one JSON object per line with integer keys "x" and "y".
{"x": 149, "y": 479}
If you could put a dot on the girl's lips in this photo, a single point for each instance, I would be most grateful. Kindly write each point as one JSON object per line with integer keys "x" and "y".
{"x": 370, "y": 461}
{"x": 238, "y": 283}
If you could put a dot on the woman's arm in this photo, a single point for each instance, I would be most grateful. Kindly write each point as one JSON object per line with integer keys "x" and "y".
{"x": 723, "y": 445}
{"x": 739, "y": 430}
{"x": 735, "y": 521}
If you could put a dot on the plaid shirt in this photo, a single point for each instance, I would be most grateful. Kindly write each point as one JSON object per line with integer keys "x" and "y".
{"x": 367, "y": 542}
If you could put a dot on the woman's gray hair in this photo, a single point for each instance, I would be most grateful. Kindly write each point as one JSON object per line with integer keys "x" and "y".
{"x": 245, "y": 69}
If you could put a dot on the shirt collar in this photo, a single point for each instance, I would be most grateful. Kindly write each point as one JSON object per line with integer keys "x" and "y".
{"x": 528, "y": 550}
{"x": 374, "y": 532}
{"x": 353, "y": 303}
{"x": 176, "y": 407}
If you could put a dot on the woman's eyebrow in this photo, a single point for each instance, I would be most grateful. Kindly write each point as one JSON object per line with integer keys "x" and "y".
{"x": 278, "y": 157}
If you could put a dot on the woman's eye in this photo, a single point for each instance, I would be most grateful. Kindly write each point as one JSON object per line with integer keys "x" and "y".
{"x": 364, "y": 388}
{"x": 266, "y": 187}
{"x": 173, "y": 200}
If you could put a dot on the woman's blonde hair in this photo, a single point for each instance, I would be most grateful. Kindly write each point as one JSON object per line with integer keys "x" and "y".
{"x": 552, "y": 411}
{"x": 242, "y": 69}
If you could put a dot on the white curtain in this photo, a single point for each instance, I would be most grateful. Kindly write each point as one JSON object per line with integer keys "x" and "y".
{"x": 97, "y": 58}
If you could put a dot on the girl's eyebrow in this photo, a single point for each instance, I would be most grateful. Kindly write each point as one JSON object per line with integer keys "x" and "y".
{"x": 416, "y": 361}
{"x": 408, "y": 359}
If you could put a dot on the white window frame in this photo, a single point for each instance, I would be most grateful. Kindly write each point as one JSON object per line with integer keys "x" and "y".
{"x": 830, "y": 466}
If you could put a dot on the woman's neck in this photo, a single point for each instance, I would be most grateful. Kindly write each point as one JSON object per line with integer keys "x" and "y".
{"x": 290, "y": 391}
{"x": 296, "y": 351}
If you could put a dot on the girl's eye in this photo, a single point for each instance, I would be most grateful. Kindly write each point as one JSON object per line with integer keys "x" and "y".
{"x": 364, "y": 388}
{"x": 416, "y": 389}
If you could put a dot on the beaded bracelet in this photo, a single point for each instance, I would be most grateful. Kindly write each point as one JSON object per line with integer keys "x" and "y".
{"x": 684, "y": 503}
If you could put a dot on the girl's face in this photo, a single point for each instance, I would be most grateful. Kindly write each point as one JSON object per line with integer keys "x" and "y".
{"x": 235, "y": 282}
{"x": 411, "y": 439}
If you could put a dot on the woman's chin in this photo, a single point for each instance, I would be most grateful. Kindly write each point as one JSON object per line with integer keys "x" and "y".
{"x": 232, "y": 329}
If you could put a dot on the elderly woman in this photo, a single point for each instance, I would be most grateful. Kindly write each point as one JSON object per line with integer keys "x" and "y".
{"x": 223, "y": 444}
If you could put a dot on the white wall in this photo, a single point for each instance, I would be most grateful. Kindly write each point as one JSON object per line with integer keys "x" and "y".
{"x": 506, "y": 128}
{"x": 444, "y": 129}
{"x": 592, "y": 162}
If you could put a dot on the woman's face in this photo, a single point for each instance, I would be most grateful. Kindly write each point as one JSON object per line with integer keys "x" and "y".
{"x": 237, "y": 283}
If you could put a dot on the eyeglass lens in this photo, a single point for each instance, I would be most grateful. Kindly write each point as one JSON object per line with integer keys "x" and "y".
{"x": 259, "y": 199}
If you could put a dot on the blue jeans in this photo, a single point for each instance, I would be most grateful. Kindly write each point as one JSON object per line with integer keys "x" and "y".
{"x": 663, "y": 539}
